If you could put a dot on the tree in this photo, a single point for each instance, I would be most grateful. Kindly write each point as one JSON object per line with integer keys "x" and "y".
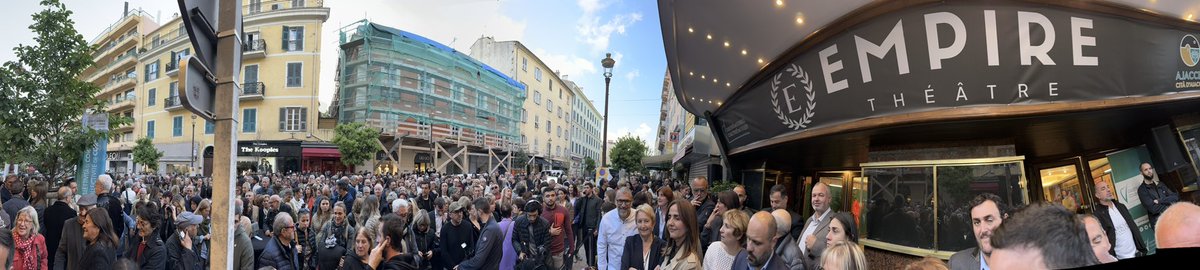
{"x": 144, "y": 153}
{"x": 43, "y": 99}
{"x": 356, "y": 142}
{"x": 627, "y": 154}
{"x": 589, "y": 166}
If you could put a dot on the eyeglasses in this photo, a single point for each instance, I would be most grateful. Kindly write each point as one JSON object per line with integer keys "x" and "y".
{"x": 624, "y": 202}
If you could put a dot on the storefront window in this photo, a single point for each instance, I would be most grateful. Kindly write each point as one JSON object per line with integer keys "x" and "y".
{"x": 1191, "y": 141}
{"x": 1060, "y": 185}
{"x": 924, "y": 206}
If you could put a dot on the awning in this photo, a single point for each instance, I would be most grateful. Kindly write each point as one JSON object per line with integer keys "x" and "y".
{"x": 320, "y": 152}
{"x": 540, "y": 161}
{"x": 660, "y": 162}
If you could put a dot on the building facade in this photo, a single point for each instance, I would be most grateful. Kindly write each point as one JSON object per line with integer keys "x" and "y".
{"x": 546, "y": 114}
{"x": 585, "y": 132}
{"x": 672, "y": 119}
{"x": 116, "y": 73}
{"x": 439, "y": 109}
{"x": 278, "y": 85}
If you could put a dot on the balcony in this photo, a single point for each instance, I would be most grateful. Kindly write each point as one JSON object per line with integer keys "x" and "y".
{"x": 254, "y": 49}
{"x": 253, "y": 91}
{"x": 122, "y": 102}
{"x": 172, "y": 103}
{"x": 172, "y": 68}
{"x": 118, "y": 82}
{"x": 125, "y": 127}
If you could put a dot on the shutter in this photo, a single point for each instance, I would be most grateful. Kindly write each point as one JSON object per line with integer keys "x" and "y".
{"x": 284, "y": 36}
{"x": 300, "y": 38}
{"x": 282, "y": 118}
{"x": 303, "y": 118}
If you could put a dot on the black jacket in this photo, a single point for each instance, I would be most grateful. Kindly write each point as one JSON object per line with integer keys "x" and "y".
{"x": 154, "y": 256}
{"x": 398, "y": 262}
{"x": 277, "y": 256}
{"x": 99, "y": 256}
{"x": 426, "y": 241}
{"x": 632, "y": 257}
{"x": 116, "y": 211}
{"x": 488, "y": 250}
{"x": 588, "y": 210}
{"x": 706, "y": 208}
{"x": 1156, "y": 191}
{"x": 55, "y": 217}
{"x": 351, "y": 261}
{"x": 457, "y": 243}
{"x": 1106, "y": 222}
{"x": 179, "y": 257}
{"x": 534, "y": 246}
{"x": 71, "y": 247}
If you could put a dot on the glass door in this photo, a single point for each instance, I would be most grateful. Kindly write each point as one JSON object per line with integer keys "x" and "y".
{"x": 1061, "y": 184}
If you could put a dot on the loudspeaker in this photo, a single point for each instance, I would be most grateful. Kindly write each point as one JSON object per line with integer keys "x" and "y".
{"x": 1167, "y": 149}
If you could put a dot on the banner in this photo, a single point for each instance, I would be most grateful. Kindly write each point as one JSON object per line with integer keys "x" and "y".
{"x": 958, "y": 54}
{"x": 95, "y": 160}
{"x": 1127, "y": 173}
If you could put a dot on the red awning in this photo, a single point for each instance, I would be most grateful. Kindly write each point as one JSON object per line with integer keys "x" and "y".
{"x": 321, "y": 152}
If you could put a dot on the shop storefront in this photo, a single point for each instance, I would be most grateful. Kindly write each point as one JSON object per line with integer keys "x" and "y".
{"x": 908, "y": 109}
{"x": 269, "y": 156}
{"x": 120, "y": 162}
{"x": 322, "y": 157}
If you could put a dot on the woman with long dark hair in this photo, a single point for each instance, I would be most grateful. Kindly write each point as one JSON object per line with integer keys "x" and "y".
{"x": 683, "y": 241}
{"x": 102, "y": 243}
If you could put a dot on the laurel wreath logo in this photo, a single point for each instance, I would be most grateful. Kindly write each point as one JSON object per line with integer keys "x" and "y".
{"x": 805, "y": 119}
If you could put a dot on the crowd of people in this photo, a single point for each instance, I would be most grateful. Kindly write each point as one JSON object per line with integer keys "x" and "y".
{"x": 464, "y": 222}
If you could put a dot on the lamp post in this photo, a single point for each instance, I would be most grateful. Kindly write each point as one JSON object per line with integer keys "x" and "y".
{"x": 608, "y": 63}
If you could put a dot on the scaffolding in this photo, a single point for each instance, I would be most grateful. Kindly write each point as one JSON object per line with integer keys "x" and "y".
{"x": 412, "y": 87}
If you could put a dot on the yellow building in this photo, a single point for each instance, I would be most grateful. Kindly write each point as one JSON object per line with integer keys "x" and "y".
{"x": 546, "y": 118}
{"x": 277, "y": 119}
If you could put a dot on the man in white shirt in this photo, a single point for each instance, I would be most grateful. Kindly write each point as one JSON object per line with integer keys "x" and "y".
{"x": 816, "y": 226}
{"x": 615, "y": 226}
{"x": 1123, "y": 236}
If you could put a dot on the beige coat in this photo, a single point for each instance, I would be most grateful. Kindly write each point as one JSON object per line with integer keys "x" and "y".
{"x": 691, "y": 262}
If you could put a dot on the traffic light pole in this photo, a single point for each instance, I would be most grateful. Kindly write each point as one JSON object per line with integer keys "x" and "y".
{"x": 225, "y": 155}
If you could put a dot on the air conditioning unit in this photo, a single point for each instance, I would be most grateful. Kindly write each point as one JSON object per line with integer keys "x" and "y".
{"x": 274, "y": 6}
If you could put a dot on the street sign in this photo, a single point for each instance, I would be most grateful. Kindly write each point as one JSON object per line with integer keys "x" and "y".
{"x": 197, "y": 87}
{"x": 200, "y": 20}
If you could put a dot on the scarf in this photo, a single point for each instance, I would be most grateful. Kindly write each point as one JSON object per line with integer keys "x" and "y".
{"x": 27, "y": 253}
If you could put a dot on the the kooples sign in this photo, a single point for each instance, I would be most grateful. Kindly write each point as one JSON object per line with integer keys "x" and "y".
{"x": 964, "y": 54}
{"x": 250, "y": 150}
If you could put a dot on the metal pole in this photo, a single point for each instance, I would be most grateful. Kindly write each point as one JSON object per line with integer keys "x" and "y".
{"x": 604, "y": 143}
{"x": 192, "y": 167}
{"x": 225, "y": 155}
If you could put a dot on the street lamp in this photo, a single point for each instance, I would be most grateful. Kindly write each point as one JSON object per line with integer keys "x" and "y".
{"x": 608, "y": 63}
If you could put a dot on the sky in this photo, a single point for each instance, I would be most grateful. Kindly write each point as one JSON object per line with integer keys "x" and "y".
{"x": 571, "y": 36}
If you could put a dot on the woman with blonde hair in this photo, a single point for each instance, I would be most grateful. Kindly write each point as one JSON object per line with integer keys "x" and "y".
{"x": 643, "y": 251}
{"x": 29, "y": 247}
{"x": 683, "y": 238}
{"x": 843, "y": 255}
{"x": 720, "y": 254}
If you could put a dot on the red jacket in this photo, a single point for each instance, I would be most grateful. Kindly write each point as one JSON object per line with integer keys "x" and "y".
{"x": 39, "y": 249}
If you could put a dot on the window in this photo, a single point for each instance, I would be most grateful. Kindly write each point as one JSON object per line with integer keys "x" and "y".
{"x": 522, "y": 138}
{"x": 294, "y": 74}
{"x": 251, "y": 74}
{"x": 905, "y": 194}
{"x": 176, "y": 57}
{"x": 293, "y": 119}
{"x": 249, "y": 120}
{"x": 547, "y": 127}
{"x": 524, "y": 116}
{"x": 537, "y": 74}
{"x": 255, "y": 6}
{"x": 535, "y": 121}
{"x": 558, "y": 130}
{"x": 297, "y": 3}
{"x": 209, "y": 127}
{"x": 549, "y": 105}
{"x": 152, "y": 96}
{"x": 537, "y": 97}
{"x": 293, "y": 38}
{"x": 152, "y": 71}
{"x": 524, "y": 64}
{"x": 150, "y": 129}
{"x": 177, "y": 126}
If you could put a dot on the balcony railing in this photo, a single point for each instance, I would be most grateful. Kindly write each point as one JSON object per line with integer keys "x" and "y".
{"x": 254, "y": 46}
{"x": 254, "y": 90}
{"x": 172, "y": 102}
{"x": 252, "y": 8}
{"x": 172, "y": 68}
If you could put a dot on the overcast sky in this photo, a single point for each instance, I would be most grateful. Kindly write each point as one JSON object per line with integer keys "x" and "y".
{"x": 570, "y": 36}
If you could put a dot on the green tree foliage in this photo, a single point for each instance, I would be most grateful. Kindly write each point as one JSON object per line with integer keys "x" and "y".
{"x": 627, "y": 154}
{"x": 145, "y": 154}
{"x": 589, "y": 166}
{"x": 356, "y": 142}
{"x": 43, "y": 98}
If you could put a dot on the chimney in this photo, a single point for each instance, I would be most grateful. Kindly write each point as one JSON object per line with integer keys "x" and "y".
{"x": 126, "y": 12}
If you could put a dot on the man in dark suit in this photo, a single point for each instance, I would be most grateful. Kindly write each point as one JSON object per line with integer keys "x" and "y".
{"x": 588, "y": 210}
{"x": 489, "y": 249}
{"x": 69, "y": 254}
{"x": 779, "y": 200}
{"x": 1155, "y": 196}
{"x": 760, "y": 245}
{"x": 1122, "y": 232}
{"x": 56, "y": 218}
{"x": 704, "y": 205}
{"x": 987, "y": 213}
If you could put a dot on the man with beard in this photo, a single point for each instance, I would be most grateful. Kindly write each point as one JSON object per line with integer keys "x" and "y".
{"x": 614, "y": 228}
{"x": 760, "y": 245}
{"x": 1124, "y": 239}
{"x": 560, "y": 228}
{"x": 530, "y": 235}
{"x": 587, "y": 208}
{"x": 987, "y": 213}
{"x": 458, "y": 237}
{"x": 489, "y": 250}
{"x": 1155, "y": 196}
{"x": 425, "y": 201}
